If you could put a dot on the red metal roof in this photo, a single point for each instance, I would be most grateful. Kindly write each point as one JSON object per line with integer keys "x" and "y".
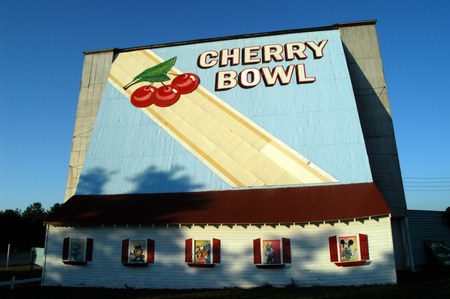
{"x": 256, "y": 206}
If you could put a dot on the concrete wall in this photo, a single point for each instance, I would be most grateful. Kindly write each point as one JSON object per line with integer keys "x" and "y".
{"x": 309, "y": 249}
{"x": 426, "y": 225}
{"x": 95, "y": 74}
{"x": 369, "y": 85}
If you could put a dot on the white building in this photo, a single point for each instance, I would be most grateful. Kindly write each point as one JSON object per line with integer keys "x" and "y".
{"x": 262, "y": 159}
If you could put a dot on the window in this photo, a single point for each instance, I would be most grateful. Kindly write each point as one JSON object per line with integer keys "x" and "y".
{"x": 138, "y": 252}
{"x": 202, "y": 253}
{"x": 77, "y": 251}
{"x": 349, "y": 250}
{"x": 271, "y": 253}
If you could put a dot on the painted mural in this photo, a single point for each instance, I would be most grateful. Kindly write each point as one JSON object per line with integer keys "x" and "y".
{"x": 77, "y": 252}
{"x": 348, "y": 249}
{"x": 202, "y": 252}
{"x": 257, "y": 112}
{"x": 137, "y": 251}
{"x": 271, "y": 252}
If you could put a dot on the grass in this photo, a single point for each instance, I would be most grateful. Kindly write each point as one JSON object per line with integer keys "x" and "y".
{"x": 428, "y": 283}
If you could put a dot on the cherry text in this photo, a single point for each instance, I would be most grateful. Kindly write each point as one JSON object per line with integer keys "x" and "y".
{"x": 271, "y": 53}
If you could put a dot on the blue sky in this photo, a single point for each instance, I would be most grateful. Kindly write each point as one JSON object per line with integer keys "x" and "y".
{"x": 41, "y": 56}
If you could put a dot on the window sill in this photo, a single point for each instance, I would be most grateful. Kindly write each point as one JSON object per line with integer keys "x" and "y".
{"x": 201, "y": 265}
{"x": 74, "y": 263}
{"x": 135, "y": 264}
{"x": 350, "y": 264}
{"x": 269, "y": 266}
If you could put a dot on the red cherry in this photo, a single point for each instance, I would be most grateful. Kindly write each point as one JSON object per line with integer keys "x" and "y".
{"x": 166, "y": 96}
{"x": 143, "y": 97}
{"x": 186, "y": 83}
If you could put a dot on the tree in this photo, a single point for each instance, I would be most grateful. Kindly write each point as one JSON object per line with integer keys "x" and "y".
{"x": 53, "y": 209}
{"x": 10, "y": 215}
{"x": 24, "y": 229}
{"x": 11, "y": 227}
{"x": 34, "y": 212}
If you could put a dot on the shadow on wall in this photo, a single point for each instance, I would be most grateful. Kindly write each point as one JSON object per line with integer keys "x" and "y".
{"x": 378, "y": 131}
{"x": 160, "y": 207}
{"x": 166, "y": 207}
{"x": 153, "y": 180}
{"x": 93, "y": 181}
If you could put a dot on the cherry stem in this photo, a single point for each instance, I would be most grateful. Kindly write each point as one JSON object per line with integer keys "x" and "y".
{"x": 165, "y": 86}
{"x": 173, "y": 74}
{"x": 128, "y": 85}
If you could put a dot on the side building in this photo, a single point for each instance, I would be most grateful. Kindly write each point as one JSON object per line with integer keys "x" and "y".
{"x": 237, "y": 161}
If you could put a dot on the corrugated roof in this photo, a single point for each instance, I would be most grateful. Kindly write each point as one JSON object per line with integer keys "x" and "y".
{"x": 255, "y": 206}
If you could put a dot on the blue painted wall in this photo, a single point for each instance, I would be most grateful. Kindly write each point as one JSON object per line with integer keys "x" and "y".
{"x": 129, "y": 153}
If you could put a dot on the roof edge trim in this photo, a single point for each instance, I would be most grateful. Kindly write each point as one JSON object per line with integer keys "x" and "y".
{"x": 82, "y": 224}
{"x": 214, "y": 39}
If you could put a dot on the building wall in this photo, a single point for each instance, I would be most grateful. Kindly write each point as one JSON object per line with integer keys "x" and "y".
{"x": 225, "y": 139}
{"x": 426, "y": 225}
{"x": 93, "y": 79}
{"x": 364, "y": 62}
{"x": 309, "y": 250}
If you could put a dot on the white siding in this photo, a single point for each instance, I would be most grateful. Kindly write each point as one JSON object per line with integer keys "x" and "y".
{"x": 426, "y": 225}
{"x": 309, "y": 249}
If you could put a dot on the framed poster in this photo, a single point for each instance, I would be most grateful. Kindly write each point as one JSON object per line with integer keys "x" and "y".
{"x": 271, "y": 252}
{"x": 137, "y": 252}
{"x": 77, "y": 250}
{"x": 202, "y": 251}
{"x": 348, "y": 249}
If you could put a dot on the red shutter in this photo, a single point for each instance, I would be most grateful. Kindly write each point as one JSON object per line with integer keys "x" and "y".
{"x": 364, "y": 246}
{"x": 65, "y": 251}
{"x": 333, "y": 249}
{"x": 216, "y": 251}
{"x": 188, "y": 251}
{"x": 125, "y": 251}
{"x": 286, "y": 250}
{"x": 150, "y": 251}
{"x": 89, "y": 249}
{"x": 257, "y": 251}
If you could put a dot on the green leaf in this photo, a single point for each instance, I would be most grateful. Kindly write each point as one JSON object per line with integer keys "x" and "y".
{"x": 158, "y": 69}
{"x": 152, "y": 79}
{"x": 155, "y": 78}
{"x": 156, "y": 73}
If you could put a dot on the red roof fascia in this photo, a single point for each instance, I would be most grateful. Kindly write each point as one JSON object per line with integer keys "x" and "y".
{"x": 248, "y": 206}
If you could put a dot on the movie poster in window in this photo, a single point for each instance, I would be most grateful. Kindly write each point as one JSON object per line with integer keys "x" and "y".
{"x": 137, "y": 252}
{"x": 271, "y": 252}
{"x": 77, "y": 250}
{"x": 348, "y": 249}
{"x": 202, "y": 252}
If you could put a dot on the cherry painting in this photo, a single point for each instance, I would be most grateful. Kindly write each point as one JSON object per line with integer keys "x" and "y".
{"x": 165, "y": 95}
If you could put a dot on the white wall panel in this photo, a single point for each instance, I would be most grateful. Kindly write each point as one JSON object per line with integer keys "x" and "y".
{"x": 426, "y": 225}
{"x": 309, "y": 249}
